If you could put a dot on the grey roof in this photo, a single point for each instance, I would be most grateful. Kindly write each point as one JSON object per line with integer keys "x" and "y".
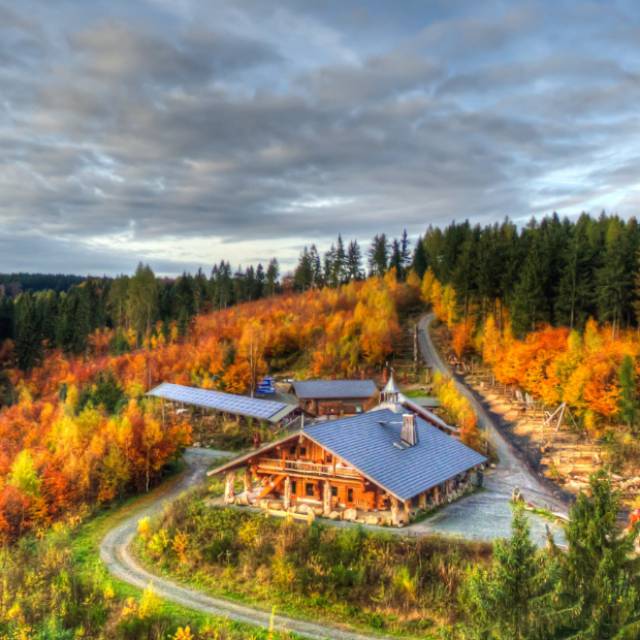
{"x": 329, "y": 389}
{"x": 367, "y": 442}
{"x": 221, "y": 401}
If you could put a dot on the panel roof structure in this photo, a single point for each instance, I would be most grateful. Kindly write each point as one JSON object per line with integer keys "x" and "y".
{"x": 369, "y": 442}
{"x": 258, "y": 408}
{"x": 334, "y": 389}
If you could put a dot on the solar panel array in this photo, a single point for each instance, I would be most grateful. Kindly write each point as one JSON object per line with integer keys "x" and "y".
{"x": 219, "y": 400}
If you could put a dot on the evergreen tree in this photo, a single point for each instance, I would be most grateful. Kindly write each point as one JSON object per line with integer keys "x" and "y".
{"x": 142, "y": 301}
{"x": 28, "y": 338}
{"x": 395, "y": 261}
{"x": 628, "y": 402}
{"x": 420, "y": 263}
{"x": 378, "y": 255}
{"x": 316, "y": 266}
{"x": 599, "y": 592}
{"x": 273, "y": 273}
{"x": 303, "y": 274}
{"x": 613, "y": 279}
{"x": 503, "y": 601}
{"x": 354, "y": 261}
{"x": 529, "y": 301}
{"x": 340, "y": 263}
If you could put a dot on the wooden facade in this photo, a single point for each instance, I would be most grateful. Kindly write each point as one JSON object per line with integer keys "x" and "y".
{"x": 300, "y": 476}
{"x": 330, "y": 407}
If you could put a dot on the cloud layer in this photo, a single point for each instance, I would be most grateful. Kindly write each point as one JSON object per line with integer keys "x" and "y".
{"x": 185, "y": 132}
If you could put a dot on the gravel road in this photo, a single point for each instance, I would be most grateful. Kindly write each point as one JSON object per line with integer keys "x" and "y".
{"x": 115, "y": 553}
{"x": 487, "y": 515}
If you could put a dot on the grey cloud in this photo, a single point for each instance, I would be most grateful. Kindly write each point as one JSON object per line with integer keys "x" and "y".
{"x": 190, "y": 128}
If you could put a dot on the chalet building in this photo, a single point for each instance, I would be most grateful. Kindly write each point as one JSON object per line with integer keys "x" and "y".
{"x": 336, "y": 397}
{"x": 269, "y": 412}
{"x": 379, "y": 467}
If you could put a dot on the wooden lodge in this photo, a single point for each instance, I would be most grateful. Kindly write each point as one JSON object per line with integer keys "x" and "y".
{"x": 380, "y": 467}
{"x": 333, "y": 398}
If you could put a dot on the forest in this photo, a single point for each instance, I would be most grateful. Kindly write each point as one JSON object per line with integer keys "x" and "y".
{"x": 80, "y": 432}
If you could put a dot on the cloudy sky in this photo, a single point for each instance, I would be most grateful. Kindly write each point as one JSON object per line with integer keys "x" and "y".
{"x": 182, "y": 132}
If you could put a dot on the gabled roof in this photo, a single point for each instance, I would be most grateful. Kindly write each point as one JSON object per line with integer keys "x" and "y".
{"x": 369, "y": 443}
{"x": 330, "y": 389}
{"x": 258, "y": 408}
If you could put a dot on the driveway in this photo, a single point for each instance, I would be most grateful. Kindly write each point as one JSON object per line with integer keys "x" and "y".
{"x": 487, "y": 514}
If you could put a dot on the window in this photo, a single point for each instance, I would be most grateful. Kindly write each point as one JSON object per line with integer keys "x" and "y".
{"x": 349, "y": 495}
{"x": 303, "y": 451}
{"x": 292, "y": 450}
{"x": 293, "y": 487}
{"x": 329, "y": 458}
{"x": 309, "y": 489}
{"x": 334, "y": 491}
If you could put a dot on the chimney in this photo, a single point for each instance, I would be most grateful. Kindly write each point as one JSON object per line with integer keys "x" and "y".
{"x": 409, "y": 432}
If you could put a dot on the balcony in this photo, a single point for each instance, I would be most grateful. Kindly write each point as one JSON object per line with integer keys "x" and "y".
{"x": 276, "y": 465}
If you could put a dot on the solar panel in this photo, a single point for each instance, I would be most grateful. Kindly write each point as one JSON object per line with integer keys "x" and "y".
{"x": 218, "y": 400}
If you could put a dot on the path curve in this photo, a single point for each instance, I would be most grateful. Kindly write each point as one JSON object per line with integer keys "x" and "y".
{"x": 511, "y": 471}
{"x": 116, "y": 554}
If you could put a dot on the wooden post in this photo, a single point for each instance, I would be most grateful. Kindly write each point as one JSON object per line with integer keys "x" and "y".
{"x": 423, "y": 500}
{"x": 287, "y": 494}
{"x": 326, "y": 499}
{"x": 229, "y": 490}
{"x": 246, "y": 478}
{"x": 395, "y": 511}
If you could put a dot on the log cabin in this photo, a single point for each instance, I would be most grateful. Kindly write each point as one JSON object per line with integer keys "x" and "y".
{"x": 335, "y": 397}
{"x": 379, "y": 467}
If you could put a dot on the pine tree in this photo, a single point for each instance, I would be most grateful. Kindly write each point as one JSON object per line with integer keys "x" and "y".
{"x": 502, "y": 601}
{"x": 303, "y": 274}
{"x": 273, "y": 272}
{"x": 600, "y": 587}
{"x": 378, "y": 255}
{"x": 354, "y": 261}
{"x": 316, "y": 267}
{"x": 340, "y": 263}
{"x": 395, "y": 261}
{"x": 628, "y": 402}
{"x": 613, "y": 279}
{"x": 420, "y": 263}
{"x": 529, "y": 301}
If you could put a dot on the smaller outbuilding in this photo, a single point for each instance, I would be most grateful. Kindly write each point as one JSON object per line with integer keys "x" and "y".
{"x": 206, "y": 400}
{"x": 336, "y": 397}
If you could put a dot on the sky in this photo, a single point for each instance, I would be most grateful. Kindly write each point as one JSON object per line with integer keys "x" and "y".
{"x": 180, "y": 133}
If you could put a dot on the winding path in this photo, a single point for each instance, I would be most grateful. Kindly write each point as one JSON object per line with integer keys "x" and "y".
{"x": 115, "y": 553}
{"x": 511, "y": 471}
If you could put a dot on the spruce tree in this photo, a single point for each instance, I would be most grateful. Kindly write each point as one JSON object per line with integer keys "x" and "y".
{"x": 378, "y": 255}
{"x": 273, "y": 272}
{"x": 420, "y": 263}
{"x": 502, "y": 601}
{"x": 354, "y": 261}
{"x": 600, "y": 581}
{"x": 628, "y": 402}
